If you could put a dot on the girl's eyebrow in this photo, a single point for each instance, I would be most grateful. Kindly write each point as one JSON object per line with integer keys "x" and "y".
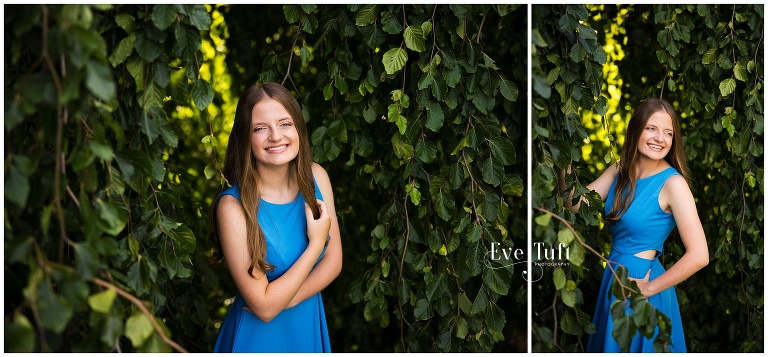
{"x": 278, "y": 120}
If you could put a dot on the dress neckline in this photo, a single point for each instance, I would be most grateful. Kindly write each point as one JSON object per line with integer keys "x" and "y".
{"x": 298, "y": 194}
{"x": 656, "y": 174}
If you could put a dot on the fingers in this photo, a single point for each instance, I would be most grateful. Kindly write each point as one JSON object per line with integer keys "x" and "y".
{"x": 321, "y": 207}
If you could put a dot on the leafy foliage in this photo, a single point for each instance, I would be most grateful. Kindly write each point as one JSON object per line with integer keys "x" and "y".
{"x": 699, "y": 58}
{"x": 116, "y": 118}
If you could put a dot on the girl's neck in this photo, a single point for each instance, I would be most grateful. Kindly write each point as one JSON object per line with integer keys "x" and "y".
{"x": 277, "y": 184}
{"x": 647, "y": 167}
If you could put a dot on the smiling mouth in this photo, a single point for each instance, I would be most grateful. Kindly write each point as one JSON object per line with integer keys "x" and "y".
{"x": 277, "y": 148}
{"x": 655, "y": 147}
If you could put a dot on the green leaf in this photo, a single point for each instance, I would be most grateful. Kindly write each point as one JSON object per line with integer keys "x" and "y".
{"x": 558, "y": 277}
{"x": 13, "y": 115}
{"x": 309, "y": 23}
{"x": 422, "y": 311}
{"x": 147, "y": 48}
{"x": 172, "y": 261}
{"x": 136, "y": 69}
{"x": 183, "y": 238}
{"x": 624, "y": 328}
{"x": 114, "y": 219}
{"x": 710, "y": 56}
{"x": 123, "y": 50}
{"x": 435, "y": 116}
{"x": 498, "y": 280}
{"x": 103, "y": 151}
{"x": 163, "y": 15}
{"x": 202, "y": 94}
{"x": 413, "y": 193}
{"x": 168, "y": 135}
{"x": 304, "y": 55}
{"x": 200, "y": 18}
{"x": 502, "y": 150}
{"x": 569, "y": 297}
{"x": 727, "y": 87}
{"x": 210, "y": 170}
{"x": 426, "y": 151}
{"x": 508, "y": 89}
{"x": 98, "y": 80}
{"x": 149, "y": 125}
{"x": 102, "y": 301}
{"x": 461, "y": 328}
{"x": 394, "y": 60}
{"x": 565, "y": 236}
{"x": 445, "y": 206}
{"x": 414, "y": 38}
{"x": 87, "y": 260}
{"x": 367, "y": 15}
{"x": 188, "y": 40}
{"x": 125, "y": 21}
{"x": 308, "y": 8}
{"x": 19, "y": 335}
{"x": 16, "y": 187}
{"x": 151, "y": 97}
{"x": 543, "y": 220}
{"x": 292, "y": 13}
{"x": 139, "y": 277}
{"x": 740, "y": 72}
{"x": 54, "y": 311}
{"x": 495, "y": 318}
{"x": 138, "y": 328}
{"x": 587, "y": 32}
{"x": 492, "y": 171}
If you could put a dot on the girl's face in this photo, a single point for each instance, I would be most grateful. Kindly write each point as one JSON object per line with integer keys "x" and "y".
{"x": 274, "y": 138}
{"x": 656, "y": 137}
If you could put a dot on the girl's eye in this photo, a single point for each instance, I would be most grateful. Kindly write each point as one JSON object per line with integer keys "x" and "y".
{"x": 286, "y": 124}
{"x": 650, "y": 128}
{"x": 258, "y": 129}
{"x": 669, "y": 133}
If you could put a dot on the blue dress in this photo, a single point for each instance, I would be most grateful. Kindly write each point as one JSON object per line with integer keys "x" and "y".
{"x": 644, "y": 226}
{"x": 301, "y": 328}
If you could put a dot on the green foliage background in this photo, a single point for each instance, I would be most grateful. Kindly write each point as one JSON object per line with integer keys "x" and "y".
{"x": 591, "y": 65}
{"x": 116, "y": 120}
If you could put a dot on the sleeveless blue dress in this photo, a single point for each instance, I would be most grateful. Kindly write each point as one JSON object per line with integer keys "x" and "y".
{"x": 644, "y": 226}
{"x": 301, "y": 328}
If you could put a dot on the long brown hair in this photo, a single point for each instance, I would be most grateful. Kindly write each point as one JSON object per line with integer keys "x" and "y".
{"x": 240, "y": 169}
{"x": 625, "y": 183}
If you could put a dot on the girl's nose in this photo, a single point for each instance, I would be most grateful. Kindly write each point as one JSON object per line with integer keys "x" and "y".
{"x": 275, "y": 135}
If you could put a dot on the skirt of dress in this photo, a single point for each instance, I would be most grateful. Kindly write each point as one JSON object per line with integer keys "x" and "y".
{"x": 301, "y": 328}
{"x": 665, "y": 302}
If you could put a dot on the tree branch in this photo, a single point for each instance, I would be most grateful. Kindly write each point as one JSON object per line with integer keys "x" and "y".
{"x": 290, "y": 58}
{"x": 132, "y": 299}
{"x": 578, "y": 238}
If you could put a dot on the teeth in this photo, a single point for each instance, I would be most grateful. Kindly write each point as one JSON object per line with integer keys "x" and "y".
{"x": 655, "y": 147}
{"x": 275, "y": 148}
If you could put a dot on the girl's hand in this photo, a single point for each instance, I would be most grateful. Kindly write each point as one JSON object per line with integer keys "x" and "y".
{"x": 317, "y": 229}
{"x": 642, "y": 284}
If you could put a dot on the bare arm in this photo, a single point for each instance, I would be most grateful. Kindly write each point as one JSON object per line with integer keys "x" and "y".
{"x": 329, "y": 266}
{"x": 266, "y": 299}
{"x": 601, "y": 185}
{"x": 679, "y": 199}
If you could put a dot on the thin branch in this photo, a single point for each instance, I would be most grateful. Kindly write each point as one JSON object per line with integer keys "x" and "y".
{"x": 576, "y": 235}
{"x": 290, "y": 58}
{"x": 480, "y": 29}
{"x": 72, "y": 196}
{"x": 144, "y": 310}
{"x": 59, "y": 166}
{"x": 400, "y": 276}
{"x": 135, "y": 301}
